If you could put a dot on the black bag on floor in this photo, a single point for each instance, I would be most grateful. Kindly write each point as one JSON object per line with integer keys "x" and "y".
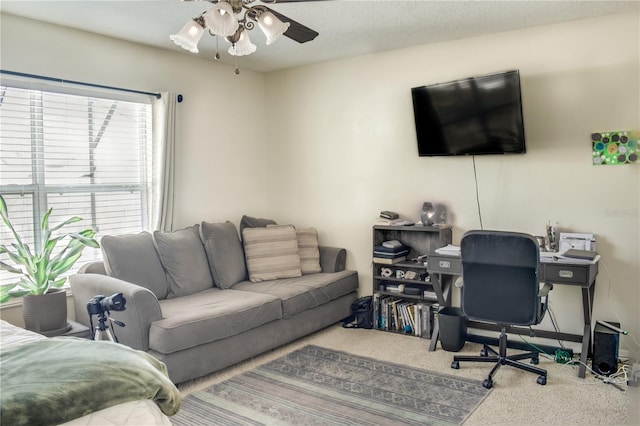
{"x": 361, "y": 314}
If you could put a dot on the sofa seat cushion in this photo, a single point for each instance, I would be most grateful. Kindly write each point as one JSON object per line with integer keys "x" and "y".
{"x": 305, "y": 292}
{"x": 210, "y": 315}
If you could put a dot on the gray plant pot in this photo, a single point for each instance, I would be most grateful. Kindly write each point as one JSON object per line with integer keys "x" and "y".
{"x": 46, "y": 313}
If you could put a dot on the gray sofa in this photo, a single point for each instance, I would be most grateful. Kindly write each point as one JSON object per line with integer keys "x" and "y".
{"x": 199, "y": 300}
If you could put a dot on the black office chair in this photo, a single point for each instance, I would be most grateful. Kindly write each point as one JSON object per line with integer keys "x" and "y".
{"x": 501, "y": 286}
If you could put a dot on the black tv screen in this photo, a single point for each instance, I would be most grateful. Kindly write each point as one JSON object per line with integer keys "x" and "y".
{"x": 473, "y": 116}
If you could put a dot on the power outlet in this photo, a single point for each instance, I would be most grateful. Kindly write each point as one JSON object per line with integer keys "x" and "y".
{"x": 634, "y": 375}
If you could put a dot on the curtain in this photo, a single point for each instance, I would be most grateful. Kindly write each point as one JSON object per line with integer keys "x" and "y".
{"x": 164, "y": 116}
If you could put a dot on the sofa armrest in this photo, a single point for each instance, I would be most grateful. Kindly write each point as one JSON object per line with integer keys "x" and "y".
{"x": 141, "y": 307}
{"x": 93, "y": 268}
{"x": 332, "y": 259}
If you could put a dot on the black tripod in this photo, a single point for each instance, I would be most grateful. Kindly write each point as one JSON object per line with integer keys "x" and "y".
{"x": 102, "y": 328}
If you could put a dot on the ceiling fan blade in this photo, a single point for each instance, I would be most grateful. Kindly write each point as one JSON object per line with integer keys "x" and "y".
{"x": 296, "y": 31}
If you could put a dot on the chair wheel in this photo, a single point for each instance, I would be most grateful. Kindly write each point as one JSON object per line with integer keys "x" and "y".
{"x": 487, "y": 383}
{"x": 484, "y": 352}
{"x": 542, "y": 380}
{"x": 455, "y": 365}
{"x": 535, "y": 361}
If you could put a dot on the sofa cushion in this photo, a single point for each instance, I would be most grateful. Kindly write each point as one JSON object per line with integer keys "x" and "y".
{"x": 308, "y": 250}
{"x": 224, "y": 253}
{"x": 254, "y": 222}
{"x": 133, "y": 258}
{"x": 183, "y": 257}
{"x": 210, "y": 315}
{"x": 306, "y": 292}
{"x": 271, "y": 253}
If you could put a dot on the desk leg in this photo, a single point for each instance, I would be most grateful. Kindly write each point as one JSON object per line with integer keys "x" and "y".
{"x": 434, "y": 337}
{"x": 587, "y": 306}
{"x": 586, "y": 340}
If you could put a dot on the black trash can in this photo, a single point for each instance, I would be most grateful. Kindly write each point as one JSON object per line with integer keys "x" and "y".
{"x": 453, "y": 328}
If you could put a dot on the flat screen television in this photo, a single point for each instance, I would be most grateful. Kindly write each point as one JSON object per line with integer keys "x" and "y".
{"x": 472, "y": 116}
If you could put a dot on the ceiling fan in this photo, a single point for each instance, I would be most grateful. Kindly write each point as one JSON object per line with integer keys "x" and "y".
{"x": 232, "y": 19}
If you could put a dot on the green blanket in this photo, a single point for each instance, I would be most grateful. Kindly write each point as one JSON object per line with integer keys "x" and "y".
{"x": 56, "y": 380}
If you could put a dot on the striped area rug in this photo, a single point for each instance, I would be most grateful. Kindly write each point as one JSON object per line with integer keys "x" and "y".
{"x": 318, "y": 386}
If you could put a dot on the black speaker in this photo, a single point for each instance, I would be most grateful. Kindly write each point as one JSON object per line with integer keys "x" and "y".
{"x": 605, "y": 349}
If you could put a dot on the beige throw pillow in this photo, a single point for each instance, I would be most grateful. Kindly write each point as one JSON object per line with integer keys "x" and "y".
{"x": 308, "y": 250}
{"x": 271, "y": 253}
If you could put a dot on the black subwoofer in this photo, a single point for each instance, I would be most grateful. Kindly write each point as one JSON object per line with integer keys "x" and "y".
{"x": 605, "y": 349}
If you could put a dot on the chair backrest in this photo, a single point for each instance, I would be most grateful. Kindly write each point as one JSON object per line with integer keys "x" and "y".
{"x": 500, "y": 277}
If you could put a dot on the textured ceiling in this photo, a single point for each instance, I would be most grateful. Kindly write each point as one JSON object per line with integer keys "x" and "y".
{"x": 347, "y": 28}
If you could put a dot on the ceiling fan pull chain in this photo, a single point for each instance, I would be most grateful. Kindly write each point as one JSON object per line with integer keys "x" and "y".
{"x": 217, "y": 54}
{"x": 237, "y": 69}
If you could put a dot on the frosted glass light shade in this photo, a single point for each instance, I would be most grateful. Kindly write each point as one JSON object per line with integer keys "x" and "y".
{"x": 271, "y": 26}
{"x": 189, "y": 36}
{"x": 243, "y": 46}
{"x": 221, "y": 20}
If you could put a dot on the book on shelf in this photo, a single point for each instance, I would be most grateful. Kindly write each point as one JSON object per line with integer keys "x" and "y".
{"x": 393, "y": 313}
{"x": 376, "y": 310}
{"x": 430, "y": 295}
{"x": 389, "y": 261}
{"x": 393, "y": 251}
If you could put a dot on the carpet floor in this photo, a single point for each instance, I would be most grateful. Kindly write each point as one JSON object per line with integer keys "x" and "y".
{"x": 515, "y": 399}
{"x": 315, "y": 385}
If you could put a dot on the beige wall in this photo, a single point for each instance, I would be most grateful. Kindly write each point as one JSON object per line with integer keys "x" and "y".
{"x": 335, "y": 128}
{"x": 342, "y": 148}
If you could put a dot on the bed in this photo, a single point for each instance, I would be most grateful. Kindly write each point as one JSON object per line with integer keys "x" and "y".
{"x": 73, "y": 381}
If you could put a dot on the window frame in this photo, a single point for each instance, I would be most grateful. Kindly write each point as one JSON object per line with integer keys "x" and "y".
{"x": 40, "y": 191}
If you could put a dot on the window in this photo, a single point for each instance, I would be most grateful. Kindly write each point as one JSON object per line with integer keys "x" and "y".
{"x": 87, "y": 156}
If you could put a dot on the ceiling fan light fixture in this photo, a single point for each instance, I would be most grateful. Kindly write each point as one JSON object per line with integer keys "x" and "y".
{"x": 189, "y": 36}
{"x": 243, "y": 45}
{"x": 221, "y": 20}
{"x": 271, "y": 26}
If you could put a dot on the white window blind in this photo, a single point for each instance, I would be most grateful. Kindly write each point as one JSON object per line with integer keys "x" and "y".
{"x": 82, "y": 156}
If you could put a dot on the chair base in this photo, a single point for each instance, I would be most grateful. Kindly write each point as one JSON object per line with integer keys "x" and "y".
{"x": 501, "y": 358}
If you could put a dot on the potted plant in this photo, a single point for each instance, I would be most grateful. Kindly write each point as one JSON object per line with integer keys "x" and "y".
{"x": 41, "y": 272}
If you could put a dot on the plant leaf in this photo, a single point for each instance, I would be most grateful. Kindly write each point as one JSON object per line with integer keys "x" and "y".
{"x": 3, "y": 207}
{"x": 41, "y": 275}
{"x": 6, "y": 267}
{"x": 87, "y": 241}
{"x": 18, "y": 258}
{"x": 59, "y": 283}
{"x": 66, "y": 222}
{"x": 50, "y": 245}
{"x": 45, "y": 220}
{"x": 6, "y": 288}
{"x": 20, "y": 293}
{"x": 64, "y": 264}
{"x": 4, "y": 213}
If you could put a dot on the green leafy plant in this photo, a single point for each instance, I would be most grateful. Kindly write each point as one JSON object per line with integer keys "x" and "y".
{"x": 41, "y": 270}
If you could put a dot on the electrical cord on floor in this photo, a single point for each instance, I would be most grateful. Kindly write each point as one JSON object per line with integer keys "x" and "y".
{"x": 562, "y": 357}
{"x": 537, "y": 348}
{"x": 555, "y": 325}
